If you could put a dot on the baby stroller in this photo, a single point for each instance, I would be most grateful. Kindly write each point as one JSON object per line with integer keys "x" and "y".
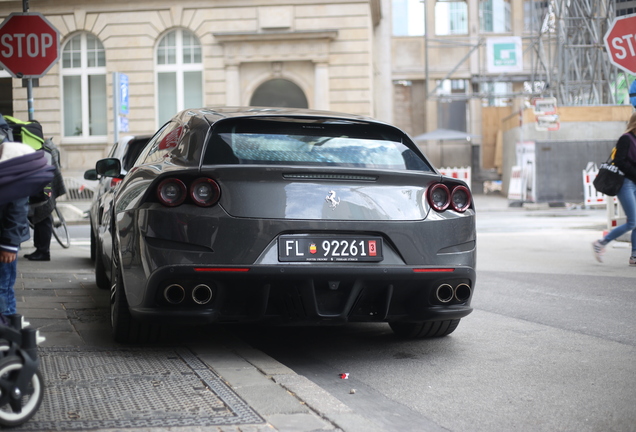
{"x": 21, "y": 384}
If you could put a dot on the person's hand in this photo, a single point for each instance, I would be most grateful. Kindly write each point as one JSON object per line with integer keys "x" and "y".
{"x": 7, "y": 257}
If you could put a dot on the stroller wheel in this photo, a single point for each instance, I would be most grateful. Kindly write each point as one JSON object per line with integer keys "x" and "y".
{"x": 16, "y": 410}
{"x": 4, "y": 348}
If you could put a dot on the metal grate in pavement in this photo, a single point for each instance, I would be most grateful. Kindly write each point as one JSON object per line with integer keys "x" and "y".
{"x": 88, "y": 389}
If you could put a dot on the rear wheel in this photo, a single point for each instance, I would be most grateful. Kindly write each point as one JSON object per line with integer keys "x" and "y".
{"x": 93, "y": 244}
{"x": 15, "y": 408}
{"x": 428, "y": 329}
{"x": 125, "y": 328}
{"x": 101, "y": 278}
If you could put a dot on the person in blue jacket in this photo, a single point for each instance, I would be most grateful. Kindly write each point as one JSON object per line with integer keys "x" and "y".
{"x": 19, "y": 164}
{"x": 14, "y": 229}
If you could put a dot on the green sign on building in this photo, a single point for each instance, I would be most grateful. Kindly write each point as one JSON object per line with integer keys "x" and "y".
{"x": 504, "y": 54}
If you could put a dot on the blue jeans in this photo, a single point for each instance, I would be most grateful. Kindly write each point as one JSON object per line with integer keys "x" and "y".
{"x": 627, "y": 198}
{"x": 7, "y": 294}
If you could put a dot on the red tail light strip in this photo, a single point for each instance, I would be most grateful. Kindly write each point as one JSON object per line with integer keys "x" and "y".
{"x": 221, "y": 269}
{"x": 433, "y": 270}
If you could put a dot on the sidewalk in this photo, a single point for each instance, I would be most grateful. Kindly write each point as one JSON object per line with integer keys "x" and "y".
{"x": 196, "y": 379}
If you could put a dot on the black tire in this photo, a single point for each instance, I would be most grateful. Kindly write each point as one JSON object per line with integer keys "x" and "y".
{"x": 60, "y": 231}
{"x": 93, "y": 243}
{"x": 10, "y": 414}
{"x": 101, "y": 277}
{"x": 124, "y": 328}
{"x": 429, "y": 329}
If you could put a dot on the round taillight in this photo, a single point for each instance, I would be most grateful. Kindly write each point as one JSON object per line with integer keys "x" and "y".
{"x": 439, "y": 197}
{"x": 205, "y": 192}
{"x": 460, "y": 198}
{"x": 171, "y": 192}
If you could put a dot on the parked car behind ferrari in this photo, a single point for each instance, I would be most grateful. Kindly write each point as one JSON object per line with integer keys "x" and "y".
{"x": 126, "y": 149}
{"x": 287, "y": 216}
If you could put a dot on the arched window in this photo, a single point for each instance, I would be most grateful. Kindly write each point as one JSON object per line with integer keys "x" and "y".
{"x": 279, "y": 92}
{"x": 179, "y": 67}
{"x": 84, "y": 86}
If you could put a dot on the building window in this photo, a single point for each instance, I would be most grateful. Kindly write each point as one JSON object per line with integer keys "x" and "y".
{"x": 494, "y": 16}
{"x": 179, "y": 68}
{"x": 451, "y": 17}
{"x": 408, "y": 18}
{"x": 84, "y": 86}
{"x": 496, "y": 93}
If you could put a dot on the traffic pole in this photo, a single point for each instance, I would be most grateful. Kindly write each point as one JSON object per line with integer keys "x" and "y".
{"x": 31, "y": 110}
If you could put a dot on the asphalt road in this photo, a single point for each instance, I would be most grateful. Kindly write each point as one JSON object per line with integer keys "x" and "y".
{"x": 549, "y": 347}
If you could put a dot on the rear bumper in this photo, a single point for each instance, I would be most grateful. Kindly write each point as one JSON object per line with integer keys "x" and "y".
{"x": 300, "y": 294}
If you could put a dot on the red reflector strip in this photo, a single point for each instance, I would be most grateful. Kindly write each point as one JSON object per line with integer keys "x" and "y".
{"x": 433, "y": 270}
{"x": 221, "y": 269}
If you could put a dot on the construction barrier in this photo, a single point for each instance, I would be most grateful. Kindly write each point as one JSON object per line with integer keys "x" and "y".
{"x": 615, "y": 217}
{"x": 591, "y": 196}
{"x": 615, "y": 214}
{"x": 463, "y": 173}
{"x": 515, "y": 188}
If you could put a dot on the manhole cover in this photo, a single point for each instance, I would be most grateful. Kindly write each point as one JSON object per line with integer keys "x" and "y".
{"x": 133, "y": 388}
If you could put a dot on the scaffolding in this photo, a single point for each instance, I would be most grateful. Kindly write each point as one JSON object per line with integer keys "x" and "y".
{"x": 569, "y": 57}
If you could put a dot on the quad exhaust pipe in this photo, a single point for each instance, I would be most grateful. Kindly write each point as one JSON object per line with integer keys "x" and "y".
{"x": 175, "y": 294}
{"x": 462, "y": 292}
{"x": 445, "y": 293}
{"x": 202, "y": 294}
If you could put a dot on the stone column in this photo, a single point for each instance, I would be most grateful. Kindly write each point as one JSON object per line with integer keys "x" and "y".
{"x": 232, "y": 87}
{"x": 321, "y": 86}
{"x": 382, "y": 80}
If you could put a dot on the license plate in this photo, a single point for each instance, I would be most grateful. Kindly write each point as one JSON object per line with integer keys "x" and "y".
{"x": 330, "y": 249}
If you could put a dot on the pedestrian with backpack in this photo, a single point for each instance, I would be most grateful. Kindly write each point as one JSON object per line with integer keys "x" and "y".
{"x": 42, "y": 203}
{"x": 42, "y": 206}
{"x": 18, "y": 164}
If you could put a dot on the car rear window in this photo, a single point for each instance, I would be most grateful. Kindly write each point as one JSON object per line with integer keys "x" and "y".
{"x": 306, "y": 142}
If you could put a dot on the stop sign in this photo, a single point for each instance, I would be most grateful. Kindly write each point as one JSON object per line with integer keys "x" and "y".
{"x": 620, "y": 42}
{"x": 29, "y": 45}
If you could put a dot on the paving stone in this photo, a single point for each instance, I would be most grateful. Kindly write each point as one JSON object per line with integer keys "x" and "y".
{"x": 57, "y": 339}
{"x": 42, "y": 312}
{"x": 270, "y": 399}
{"x": 298, "y": 423}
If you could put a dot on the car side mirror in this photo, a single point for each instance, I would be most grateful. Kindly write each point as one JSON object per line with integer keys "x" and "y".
{"x": 109, "y": 167}
{"x": 90, "y": 174}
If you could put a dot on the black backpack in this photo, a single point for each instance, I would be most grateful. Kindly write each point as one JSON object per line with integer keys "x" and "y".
{"x": 27, "y": 132}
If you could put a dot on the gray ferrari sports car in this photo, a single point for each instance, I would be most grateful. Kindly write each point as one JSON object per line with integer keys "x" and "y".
{"x": 287, "y": 216}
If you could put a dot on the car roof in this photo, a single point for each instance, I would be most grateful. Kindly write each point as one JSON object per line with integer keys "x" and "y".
{"x": 214, "y": 114}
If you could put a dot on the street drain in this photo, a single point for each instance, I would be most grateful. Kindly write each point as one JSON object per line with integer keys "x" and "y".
{"x": 88, "y": 389}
